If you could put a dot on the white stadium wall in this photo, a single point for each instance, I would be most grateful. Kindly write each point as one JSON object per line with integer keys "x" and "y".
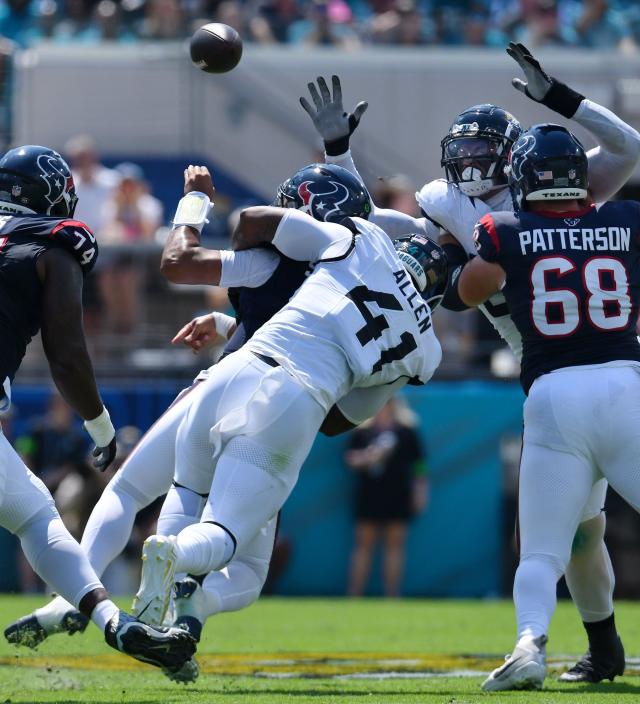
{"x": 148, "y": 100}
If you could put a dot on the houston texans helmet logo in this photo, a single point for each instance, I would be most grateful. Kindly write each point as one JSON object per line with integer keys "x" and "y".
{"x": 58, "y": 182}
{"x": 322, "y": 204}
{"x": 519, "y": 153}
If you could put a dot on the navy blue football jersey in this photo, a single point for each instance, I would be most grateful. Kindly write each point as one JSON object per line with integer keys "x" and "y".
{"x": 254, "y": 306}
{"x": 23, "y": 239}
{"x": 572, "y": 283}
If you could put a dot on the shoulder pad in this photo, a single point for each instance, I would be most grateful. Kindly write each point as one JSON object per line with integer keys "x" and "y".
{"x": 432, "y": 199}
{"x": 76, "y": 237}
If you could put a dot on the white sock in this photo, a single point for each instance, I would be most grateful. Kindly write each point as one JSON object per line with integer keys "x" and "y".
{"x": 103, "y": 613}
{"x": 202, "y": 548}
{"x": 50, "y": 616}
{"x": 534, "y": 594}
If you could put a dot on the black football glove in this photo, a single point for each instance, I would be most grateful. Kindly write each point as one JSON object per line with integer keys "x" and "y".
{"x": 332, "y": 123}
{"x": 104, "y": 456}
{"x": 541, "y": 87}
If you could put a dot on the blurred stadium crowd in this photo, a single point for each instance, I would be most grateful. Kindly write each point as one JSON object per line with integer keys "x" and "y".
{"x": 348, "y": 24}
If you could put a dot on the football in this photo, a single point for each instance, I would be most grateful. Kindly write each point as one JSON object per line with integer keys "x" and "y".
{"x": 215, "y": 48}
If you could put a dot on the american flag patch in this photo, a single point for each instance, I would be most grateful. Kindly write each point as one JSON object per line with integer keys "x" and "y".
{"x": 545, "y": 175}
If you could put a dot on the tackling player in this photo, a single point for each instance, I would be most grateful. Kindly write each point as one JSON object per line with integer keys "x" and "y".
{"x": 569, "y": 272}
{"x": 360, "y": 322}
{"x": 266, "y": 281}
{"x": 473, "y": 154}
{"x": 44, "y": 255}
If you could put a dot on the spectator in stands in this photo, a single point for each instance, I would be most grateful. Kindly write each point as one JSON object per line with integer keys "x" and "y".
{"x": 596, "y": 24}
{"x": 94, "y": 182}
{"x": 389, "y": 463}
{"x": 233, "y": 13}
{"x": 131, "y": 217}
{"x": 164, "y": 19}
{"x": 270, "y": 24}
{"x": 400, "y": 25}
{"x": 107, "y": 24}
{"x": 327, "y": 23}
{"x": 75, "y": 24}
{"x": 17, "y": 19}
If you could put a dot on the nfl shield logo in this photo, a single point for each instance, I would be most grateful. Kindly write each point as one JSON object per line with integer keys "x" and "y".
{"x": 16, "y": 191}
{"x": 571, "y": 174}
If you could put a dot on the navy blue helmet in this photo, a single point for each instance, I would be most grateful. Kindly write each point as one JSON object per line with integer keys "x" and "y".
{"x": 39, "y": 179}
{"x": 326, "y": 192}
{"x": 547, "y": 163}
{"x": 426, "y": 263}
{"x": 475, "y": 150}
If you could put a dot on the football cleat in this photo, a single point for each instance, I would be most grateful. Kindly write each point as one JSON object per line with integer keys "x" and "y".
{"x": 525, "y": 668}
{"x": 187, "y": 674}
{"x": 167, "y": 648}
{"x": 30, "y": 632}
{"x": 158, "y": 575}
{"x": 595, "y": 667}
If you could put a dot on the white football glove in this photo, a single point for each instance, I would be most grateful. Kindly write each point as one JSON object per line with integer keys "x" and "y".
{"x": 332, "y": 123}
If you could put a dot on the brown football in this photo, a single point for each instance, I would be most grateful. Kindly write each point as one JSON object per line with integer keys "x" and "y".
{"x": 216, "y": 48}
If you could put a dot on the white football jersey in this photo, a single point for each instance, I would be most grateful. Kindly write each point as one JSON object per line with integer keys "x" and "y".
{"x": 357, "y": 321}
{"x": 458, "y": 214}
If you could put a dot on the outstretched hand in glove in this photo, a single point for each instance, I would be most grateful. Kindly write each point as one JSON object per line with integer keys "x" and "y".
{"x": 541, "y": 87}
{"x": 332, "y": 123}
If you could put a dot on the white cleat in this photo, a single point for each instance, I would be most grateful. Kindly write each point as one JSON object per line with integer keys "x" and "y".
{"x": 158, "y": 573}
{"x": 525, "y": 668}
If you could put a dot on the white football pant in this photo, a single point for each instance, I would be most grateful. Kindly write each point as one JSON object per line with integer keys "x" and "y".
{"x": 248, "y": 429}
{"x": 580, "y": 425}
{"x": 28, "y": 511}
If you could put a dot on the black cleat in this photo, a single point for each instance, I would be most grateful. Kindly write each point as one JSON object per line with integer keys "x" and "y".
{"x": 595, "y": 667}
{"x": 167, "y": 648}
{"x": 28, "y": 631}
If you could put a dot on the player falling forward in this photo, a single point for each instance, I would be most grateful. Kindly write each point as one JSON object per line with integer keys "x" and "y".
{"x": 44, "y": 255}
{"x": 473, "y": 154}
{"x": 358, "y": 323}
{"x": 261, "y": 282}
{"x": 569, "y": 272}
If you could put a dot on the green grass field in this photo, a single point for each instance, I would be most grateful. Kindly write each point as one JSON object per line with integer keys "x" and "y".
{"x": 318, "y": 650}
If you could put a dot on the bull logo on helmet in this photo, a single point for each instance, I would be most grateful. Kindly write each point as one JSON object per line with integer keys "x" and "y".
{"x": 322, "y": 204}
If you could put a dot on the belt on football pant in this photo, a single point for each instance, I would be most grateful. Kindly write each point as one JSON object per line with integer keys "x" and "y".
{"x": 267, "y": 360}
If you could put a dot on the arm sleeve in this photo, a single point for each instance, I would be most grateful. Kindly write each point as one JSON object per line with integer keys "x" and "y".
{"x": 249, "y": 267}
{"x": 362, "y": 403}
{"x": 393, "y": 222}
{"x": 301, "y": 237}
{"x": 613, "y": 161}
{"x": 486, "y": 240}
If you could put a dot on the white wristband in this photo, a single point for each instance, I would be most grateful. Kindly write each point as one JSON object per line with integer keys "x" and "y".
{"x": 193, "y": 210}
{"x": 224, "y": 323}
{"x": 101, "y": 429}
